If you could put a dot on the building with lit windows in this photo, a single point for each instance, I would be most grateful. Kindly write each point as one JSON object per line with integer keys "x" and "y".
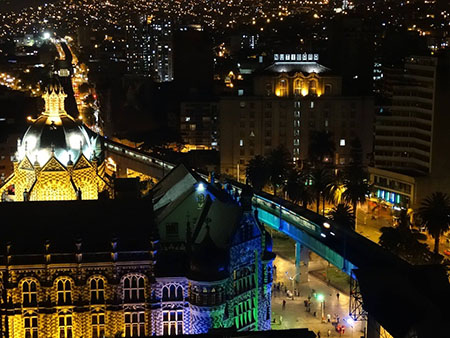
{"x": 411, "y": 132}
{"x": 157, "y": 49}
{"x": 200, "y": 260}
{"x": 289, "y": 99}
{"x": 58, "y": 158}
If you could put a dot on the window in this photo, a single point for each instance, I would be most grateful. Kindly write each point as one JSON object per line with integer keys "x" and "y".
{"x": 65, "y": 325}
{"x": 29, "y": 293}
{"x": 30, "y": 326}
{"x": 134, "y": 324}
{"x": 328, "y": 88}
{"x": 342, "y": 142}
{"x": 133, "y": 289}
{"x": 172, "y": 229}
{"x": 297, "y": 104}
{"x": 192, "y": 127}
{"x": 268, "y": 88}
{"x": 172, "y": 292}
{"x": 172, "y": 323}
{"x": 311, "y": 105}
{"x": 98, "y": 325}
{"x": 97, "y": 290}
{"x": 240, "y": 92}
{"x": 312, "y": 87}
{"x": 283, "y": 88}
{"x": 297, "y": 114}
{"x": 241, "y": 143}
{"x": 298, "y": 87}
{"x": 64, "y": 292}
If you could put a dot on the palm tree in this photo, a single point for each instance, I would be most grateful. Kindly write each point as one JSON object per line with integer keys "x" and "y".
{"x": 297, "y": 189}
{"x": 435, "y": 215}
{"x": 257, "y": 172}
{"x": 320, "y": 184}
{"x": 279, "y": 164}
{"x": 321, "y": 147}
{"x": 356, "y": 187}
{"x": 343, "y": 215}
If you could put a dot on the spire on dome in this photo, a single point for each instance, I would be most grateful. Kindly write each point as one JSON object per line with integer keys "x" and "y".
{"x": 54, "y": 97}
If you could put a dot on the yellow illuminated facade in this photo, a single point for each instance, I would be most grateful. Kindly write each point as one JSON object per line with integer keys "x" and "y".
{"x": 299, "y": 85}
{"x": 58, "y": 158}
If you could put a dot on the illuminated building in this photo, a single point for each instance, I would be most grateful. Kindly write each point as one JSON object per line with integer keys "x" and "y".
{"x": 157, "y": 50}
{"x": 289, "y": 99}
{"x": 201, "y": 260}
{"x": 411, "y": 132}
{"x": 58, "y": 158}
{"x": 198, "y": 124}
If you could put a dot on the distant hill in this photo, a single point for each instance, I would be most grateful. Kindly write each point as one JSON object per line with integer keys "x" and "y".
{"x": 12, "y": 5}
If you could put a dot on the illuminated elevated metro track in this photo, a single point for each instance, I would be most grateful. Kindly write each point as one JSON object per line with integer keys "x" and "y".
{"x": 341, "y": 247}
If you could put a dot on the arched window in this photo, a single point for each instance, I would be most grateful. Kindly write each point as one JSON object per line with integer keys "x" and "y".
{"x": 298, "y": 87}
{"x": 328, "y": 88}
{"x": 283, "y": 87}
{"x": 172, "y": 292}
{"x": 97, "y": 285}
{"x": 312, "y": 87}
{"x": 64, "y": 292}
{"x": 133, "y": 289}
{"x": 29, "y": 293}
{"x": 179, "y": 293}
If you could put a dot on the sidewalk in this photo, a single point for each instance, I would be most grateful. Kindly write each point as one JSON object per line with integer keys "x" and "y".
{"x": 294, "y": 315}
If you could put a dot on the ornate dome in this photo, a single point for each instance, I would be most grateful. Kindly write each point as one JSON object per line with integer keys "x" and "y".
{"x": 55, "y": 131}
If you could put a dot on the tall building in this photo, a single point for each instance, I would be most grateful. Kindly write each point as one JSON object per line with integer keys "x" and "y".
{"x": 199, "y": 126}
{"x": 157, "y": 49}
{"x": 149, "y": 48}
{"x": 58, "y": 158}
{"x": 291, "y": 98}
{"x": 200, "y": 261}
{"x": 411, "y": 133}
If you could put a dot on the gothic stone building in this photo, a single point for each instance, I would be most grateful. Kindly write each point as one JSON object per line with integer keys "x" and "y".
{"x": 187, "y": 260}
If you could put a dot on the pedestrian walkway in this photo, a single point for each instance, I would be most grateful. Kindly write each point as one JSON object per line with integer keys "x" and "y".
{"x": 294, "y": 314}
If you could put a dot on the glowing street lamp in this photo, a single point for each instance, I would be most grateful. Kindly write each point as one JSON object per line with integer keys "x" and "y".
{"x": 321, "y": 298}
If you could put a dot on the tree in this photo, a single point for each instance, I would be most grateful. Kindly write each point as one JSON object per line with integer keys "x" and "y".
{"x": 435, "y": 215}
{"x": 257, "y": 172}
{"x": 405, "y": 243}
{"x": 279, "y": 165}
{"x": 321, "y": 147}
{"x": 320, "y": 184}
{"x": 356, "y": 186}
{"x": 297, "y": 189}
{"x": 343, "y": 215}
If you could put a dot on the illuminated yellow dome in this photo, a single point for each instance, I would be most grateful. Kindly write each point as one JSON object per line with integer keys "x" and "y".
{"x": 55, "y": 131}
{"x": 58, "y": 157}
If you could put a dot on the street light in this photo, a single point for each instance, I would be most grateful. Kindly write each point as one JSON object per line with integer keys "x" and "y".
{"x": 292, "y": 280}
{"x": 321, "y": 298}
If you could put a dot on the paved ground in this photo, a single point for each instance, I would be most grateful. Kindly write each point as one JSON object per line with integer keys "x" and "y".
{"x": 294, "y": 314}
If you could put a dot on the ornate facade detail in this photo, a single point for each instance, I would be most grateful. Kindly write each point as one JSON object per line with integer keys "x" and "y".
{"x": 44, "y": 166}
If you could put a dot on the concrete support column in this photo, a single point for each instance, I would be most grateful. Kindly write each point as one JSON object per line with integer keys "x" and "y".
{"x": 301, "y": 263}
